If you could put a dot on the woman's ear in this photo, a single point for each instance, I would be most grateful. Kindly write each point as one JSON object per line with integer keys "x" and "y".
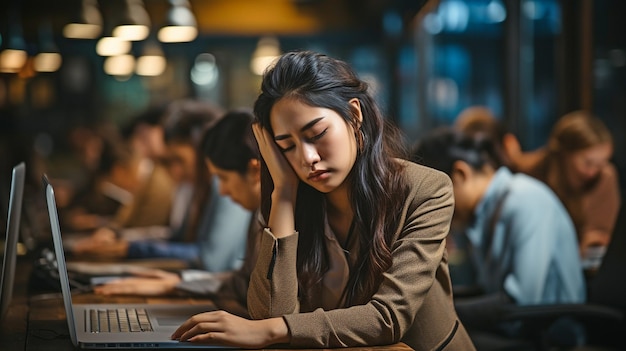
{"x": 254, "y": 168}
{"x": 461, "y": 171}
{"x": 356, "y": 106}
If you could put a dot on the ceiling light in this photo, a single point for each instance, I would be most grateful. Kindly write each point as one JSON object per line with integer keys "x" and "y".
{"x": 48, "y": 62}
{"x": 205, "y": 72}
{"x": 121, "y": 66}
{"x": 88, "y": 24}
{"x": 13, "y": 54}
{"x": 267, "y": 50}
{"x": 11, "y": 61}
{"x": 48, "y": 59}
{"x": 180, "y": 24}
{"x": 112, "y": 46}
{"x": 151, "y": 62}
{"x": 135, "y": 23}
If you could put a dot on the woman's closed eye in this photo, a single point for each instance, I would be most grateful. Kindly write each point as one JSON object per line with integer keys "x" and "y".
{"x": 316, "y": 137}
{"x": 284, "y": 149}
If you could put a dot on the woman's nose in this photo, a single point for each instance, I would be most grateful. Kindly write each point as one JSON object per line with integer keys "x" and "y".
{"x": 310, "y": 155}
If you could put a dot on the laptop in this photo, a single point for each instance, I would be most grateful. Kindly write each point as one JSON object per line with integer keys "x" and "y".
{"x": 10, "y": 245}
{"x": 110, "y": 326}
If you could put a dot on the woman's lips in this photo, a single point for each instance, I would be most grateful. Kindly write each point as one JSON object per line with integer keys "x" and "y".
{"x": 318, "y": 175}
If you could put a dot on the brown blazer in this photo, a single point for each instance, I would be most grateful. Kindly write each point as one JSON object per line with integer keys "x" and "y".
{"x": 414, "y": 302}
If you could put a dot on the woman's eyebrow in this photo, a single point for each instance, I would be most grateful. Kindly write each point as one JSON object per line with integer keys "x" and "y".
{"x": 306, "y": 126}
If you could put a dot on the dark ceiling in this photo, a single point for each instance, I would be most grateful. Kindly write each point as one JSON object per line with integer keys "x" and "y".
{"x": 224, "y": 17}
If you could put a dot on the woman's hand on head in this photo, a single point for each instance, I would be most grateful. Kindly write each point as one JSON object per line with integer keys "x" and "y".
{"x": 282, "y": 174}
{"x": 223, "y": 328}
{"x": 281, "y": 219}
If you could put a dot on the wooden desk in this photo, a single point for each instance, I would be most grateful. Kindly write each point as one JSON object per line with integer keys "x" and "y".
{"x": 36, "y": 320}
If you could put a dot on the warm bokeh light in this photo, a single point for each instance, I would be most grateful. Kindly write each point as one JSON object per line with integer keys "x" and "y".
{"x": 82, "y": 31}
{"x": 267, "y": 50}
{"x": 177, "y": 34}
{"x": 151, "y": 65}
{"x": 47, "y": 62}
{"x": 131, "y": 32}
{"x": 121, "y": 65}
{"x": 112, "y": 46}
{"x": 11, "y": 61}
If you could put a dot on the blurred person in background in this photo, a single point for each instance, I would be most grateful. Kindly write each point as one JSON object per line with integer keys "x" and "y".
{"x": 481, "y": 120}
{"x": 205, "y": 229}
{"x": 522, "y": 241}
{"x": 231, "y": 153}
{"x": 145, "y": 133}
{"x": 577, "y": 165}
{"x": 81, "y": 196}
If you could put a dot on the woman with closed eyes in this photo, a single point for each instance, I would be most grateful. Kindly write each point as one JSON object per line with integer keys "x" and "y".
{"x": 353, "y": 250}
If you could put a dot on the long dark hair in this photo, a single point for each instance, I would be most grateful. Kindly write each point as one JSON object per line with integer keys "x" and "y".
{"x": 377, "y": 187}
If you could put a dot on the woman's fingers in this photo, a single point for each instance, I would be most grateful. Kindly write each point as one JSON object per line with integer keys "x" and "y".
{"x": 188, "y": 324}
{"x": 203, "y": 330}
{"x": 223, "y": 328}
{"x": 281, "y": 172}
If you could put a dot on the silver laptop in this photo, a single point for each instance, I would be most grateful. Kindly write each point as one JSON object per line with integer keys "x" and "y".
{"x": 10, "y": 244}
{"x": 109, "y": 326}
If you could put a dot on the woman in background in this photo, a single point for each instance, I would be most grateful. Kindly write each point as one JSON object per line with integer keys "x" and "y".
{"x": 523, "y": 242}
{"x": 577, "y": 166}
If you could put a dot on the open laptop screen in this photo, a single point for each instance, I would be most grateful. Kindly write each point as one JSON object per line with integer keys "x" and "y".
{"x": 10, "y": 245}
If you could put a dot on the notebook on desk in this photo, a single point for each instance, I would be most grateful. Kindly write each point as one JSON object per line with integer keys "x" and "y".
{"x": 10, "y": 244}
{"x": 112, "y": 326}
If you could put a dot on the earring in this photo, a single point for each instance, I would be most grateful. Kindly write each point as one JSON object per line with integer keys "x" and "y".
{"x": 360, "y": 140}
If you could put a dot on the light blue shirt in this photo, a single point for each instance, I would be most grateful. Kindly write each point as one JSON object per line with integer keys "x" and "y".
{"x": 221, "y": 237}
{"x": 533, "y": 255}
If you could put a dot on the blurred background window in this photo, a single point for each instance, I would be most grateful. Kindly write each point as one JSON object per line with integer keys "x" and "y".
{"x": 79, "y": 62}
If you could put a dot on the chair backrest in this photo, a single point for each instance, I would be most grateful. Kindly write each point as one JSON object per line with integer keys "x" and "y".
{"x": 608, "y": 286}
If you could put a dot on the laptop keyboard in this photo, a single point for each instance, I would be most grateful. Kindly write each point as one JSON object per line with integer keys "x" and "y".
{"x": 119, "y": 320}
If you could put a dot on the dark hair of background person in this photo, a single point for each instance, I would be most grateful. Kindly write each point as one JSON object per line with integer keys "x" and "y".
{"x": 100, "y": 148}
{"x": 152, "y": 116}
{"x": 230, "y": 143}
{"x": 377, "y": 188}
{"x": 442, "y": 147}
{"x": 479, "y": 120}
{"x": 185, "y": 121}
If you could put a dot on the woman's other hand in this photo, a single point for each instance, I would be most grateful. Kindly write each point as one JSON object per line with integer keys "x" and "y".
{"x": 223, "y": 328}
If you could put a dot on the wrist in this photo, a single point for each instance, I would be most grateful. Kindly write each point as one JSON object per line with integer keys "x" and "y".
{"x": 284, "y": 194}
{"x": 278, "y": 333}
